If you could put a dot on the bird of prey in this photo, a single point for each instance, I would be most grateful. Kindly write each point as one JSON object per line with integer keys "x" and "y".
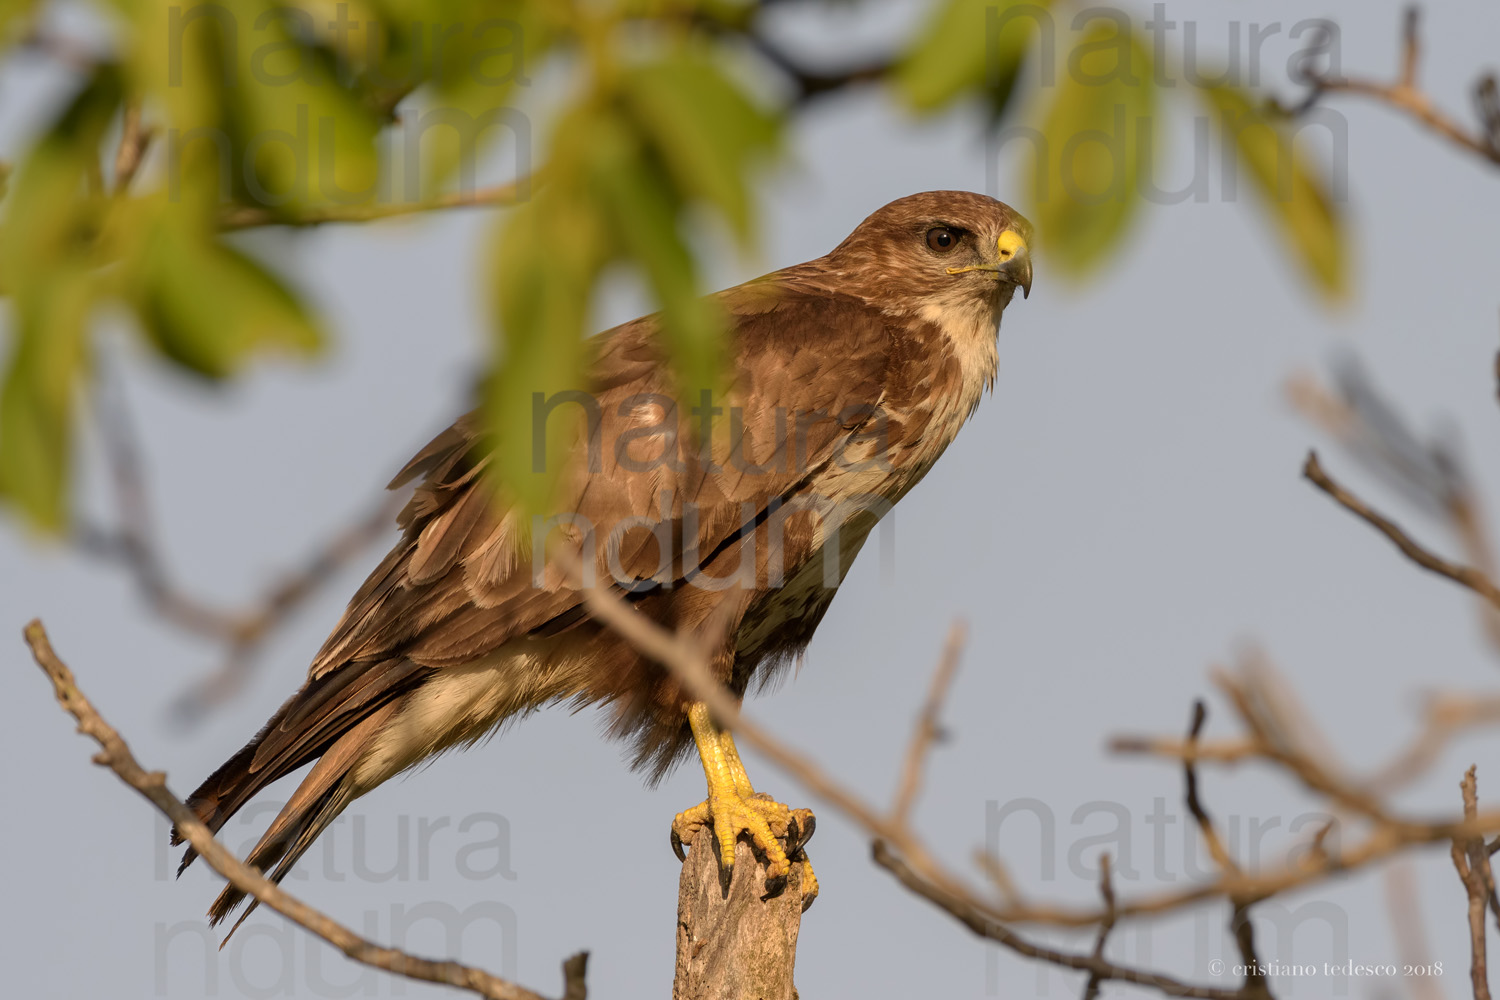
{"x": 850, "y": 375}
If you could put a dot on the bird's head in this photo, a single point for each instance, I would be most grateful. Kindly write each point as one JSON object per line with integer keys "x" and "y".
{"x": 941, "y": 245}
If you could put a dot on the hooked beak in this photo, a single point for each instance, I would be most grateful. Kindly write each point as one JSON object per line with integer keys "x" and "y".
{"x": 1015, "y": 261}
{"x": 1014, "y": 266}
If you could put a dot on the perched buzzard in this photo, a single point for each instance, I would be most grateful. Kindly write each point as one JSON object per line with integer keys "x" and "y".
{"x": 851, "y": 375}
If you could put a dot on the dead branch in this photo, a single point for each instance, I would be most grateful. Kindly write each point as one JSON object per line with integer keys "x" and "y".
{"x": 739, "y": 941}
{"x": 1464, "y": 576}
{"x": 1106, "y": 893}
{"x": 981, "y": 923}
{"x": 812, "y": 84}
{"x": 1445, "y": 717}
{"x": 152, "y": 785}
{"x": 1206, "y": 829}
{"x": 1472, "y": 862}
{"x": 1390, "y": 834}
{"x": 1403, "y": 95}
{"x": 1431, "y": 471}
{"x": 927, "y": 730}
{"x": 896, "y": 848}
{"x": 1255, "y": 984}
{"x": 1269, "y": 741}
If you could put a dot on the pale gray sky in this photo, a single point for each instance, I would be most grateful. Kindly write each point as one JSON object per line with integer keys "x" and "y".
{"x": 1123, "y": 512}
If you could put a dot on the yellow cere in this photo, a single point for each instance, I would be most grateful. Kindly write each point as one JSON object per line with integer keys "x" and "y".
{"x": 1010, "y": 243}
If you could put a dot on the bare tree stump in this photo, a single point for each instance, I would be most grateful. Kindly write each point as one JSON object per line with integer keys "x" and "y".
{"x": 734, "y": 944}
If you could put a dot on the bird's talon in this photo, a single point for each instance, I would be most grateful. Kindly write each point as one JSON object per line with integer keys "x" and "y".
{"x": 767, "y": 822}
{"x": 800, "y": 826}
{"x": 809, "y": 883}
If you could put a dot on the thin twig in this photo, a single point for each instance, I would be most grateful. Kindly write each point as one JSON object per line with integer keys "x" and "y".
{"x": 1404, "y": 96}
{"x": 1464, "y": 576}
{"x": 1255, "y": 983}
{"x": 1206, "y": 829}
{"x": 1429, "y": 471}
{"x": 1316, "y": 776}
{"x": 494, "y": 196}
{"x": 974, "y": 918}
{"x": 927, "y": 729}
{"x": 1223, "y": 752}
{"x": 1384, "y": 842}
{"x": 115, "y": 755}
{"x": 1107, "y": 893}
{"x": 1411, "y": 46}
{"x": 1239, "y": 920}
{"x": 813, "y": 84}
{"x": 1444, "y": 718}
{"x": 1470, "y": 858}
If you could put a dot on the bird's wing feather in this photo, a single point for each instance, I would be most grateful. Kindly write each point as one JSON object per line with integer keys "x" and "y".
{"x": 461, "y": 582}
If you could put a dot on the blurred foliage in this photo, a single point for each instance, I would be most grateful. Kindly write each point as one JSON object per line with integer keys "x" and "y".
{"x": 1295, "y": 194}
{"x": 300, "y": 112}
{"x": 1087, "y": 185}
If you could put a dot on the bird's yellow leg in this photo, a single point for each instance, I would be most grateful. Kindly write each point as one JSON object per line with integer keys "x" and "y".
{"x": 736, "y": 767}
{"x": 733, "y": 806}
{"x": 802, "y": 817}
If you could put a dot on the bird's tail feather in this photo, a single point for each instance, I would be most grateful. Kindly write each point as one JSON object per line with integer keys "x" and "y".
{"x": 309, "y": 724}
{"x": 233, "y": 784}
{"x": 328, "y": 788}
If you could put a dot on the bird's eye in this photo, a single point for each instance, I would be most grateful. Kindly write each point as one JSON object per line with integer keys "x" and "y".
{"x": 942, "y": 239}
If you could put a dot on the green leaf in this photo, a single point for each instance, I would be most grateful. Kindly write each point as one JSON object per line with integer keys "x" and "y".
{"x": 1291, "y": 187}
{"x": 548, "y": 255}
{"x": 304, "y": 138}
{"x": 56, "y": 207}
{"x": 37, "y": 400}
{"x": 1085, "y": 178}
{"x": 258, "y": 105}
{"x": 622, "y": 167}
{"x": 211, "y": 308}
{"x": 703, "y": 129}
{"x": 969, "y": 46}
{"x": 642, "y": 208}
{"x": 12, "y": 11}
{"x": 48, "y": 246}
{"x": 489, "y": 48}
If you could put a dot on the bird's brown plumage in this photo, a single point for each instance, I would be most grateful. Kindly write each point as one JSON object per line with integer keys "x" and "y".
{"x": 848, "y": 381}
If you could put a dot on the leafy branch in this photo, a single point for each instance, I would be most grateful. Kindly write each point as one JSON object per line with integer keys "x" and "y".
{"x": 207, "y": 141}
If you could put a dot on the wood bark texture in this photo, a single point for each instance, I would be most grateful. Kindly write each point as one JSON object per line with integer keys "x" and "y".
{"x": 733, "y": 943}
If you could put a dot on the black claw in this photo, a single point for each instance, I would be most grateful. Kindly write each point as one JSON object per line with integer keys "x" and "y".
{"x": 797, "y": 834}
{"x": 677, "y": 847}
